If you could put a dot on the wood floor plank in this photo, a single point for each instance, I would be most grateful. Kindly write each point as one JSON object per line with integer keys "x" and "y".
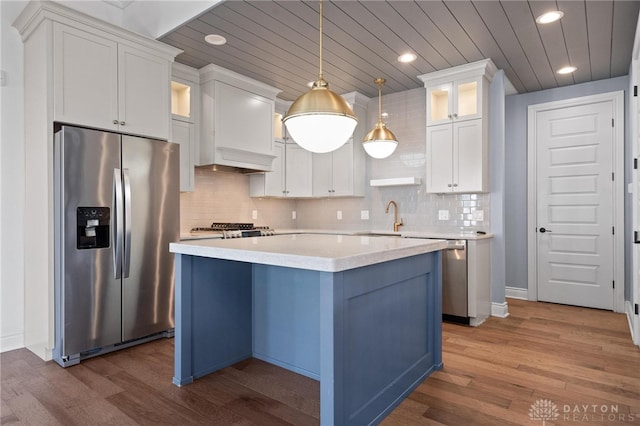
{"x": 492, "y": 375}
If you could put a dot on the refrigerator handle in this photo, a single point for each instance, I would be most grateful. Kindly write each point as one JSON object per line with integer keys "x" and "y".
{"x": 127, "y": 223}
{"x": 119, "y": 225}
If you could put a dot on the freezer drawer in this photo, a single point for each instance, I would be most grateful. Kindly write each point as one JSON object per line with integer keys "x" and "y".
{"x": 455, "y": 289}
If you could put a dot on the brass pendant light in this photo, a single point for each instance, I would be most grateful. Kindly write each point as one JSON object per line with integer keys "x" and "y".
{"x": 320, "y": 120}
{"x": 380, "y": 142}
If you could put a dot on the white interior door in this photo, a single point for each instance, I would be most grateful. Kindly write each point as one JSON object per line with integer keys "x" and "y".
{"x": 575, "y": 205}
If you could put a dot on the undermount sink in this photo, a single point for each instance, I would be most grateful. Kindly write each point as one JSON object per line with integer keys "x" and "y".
{"x": 379, "y": 234}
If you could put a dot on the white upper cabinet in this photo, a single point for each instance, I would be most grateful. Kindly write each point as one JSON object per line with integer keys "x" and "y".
{"x": 457, "y": 123}
{"x": 291, "y": 173}
{"x": 237, "y": 120}
{"x": 455, "y": 158}
{"x": 185, "y": 113}
{"x": 334, "y": 173}
{"x": 106, "y": 83}
{"x": 341, "y": 173}
{"x": 455, "y": 101}
{"x": 183, "y": 133}
{"x": 299, "y": 171}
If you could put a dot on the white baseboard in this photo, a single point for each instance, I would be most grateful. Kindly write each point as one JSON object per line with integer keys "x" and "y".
{"x": 9, "y": 343}
{"x": 500, "y": 310}
{"x": 516, "y": 293}
{"x": 635, "y": 336}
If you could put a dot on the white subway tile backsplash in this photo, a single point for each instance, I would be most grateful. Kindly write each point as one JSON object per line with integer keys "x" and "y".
{"x": 224, "y": 197}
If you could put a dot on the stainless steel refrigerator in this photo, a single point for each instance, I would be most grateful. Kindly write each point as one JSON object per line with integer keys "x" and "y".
{"x": 116, "y": 210}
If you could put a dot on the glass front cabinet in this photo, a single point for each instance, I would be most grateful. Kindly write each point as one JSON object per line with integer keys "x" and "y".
{"x": 457, "y": 148}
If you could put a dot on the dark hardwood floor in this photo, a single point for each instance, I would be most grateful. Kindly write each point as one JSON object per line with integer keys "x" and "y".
{"x": 577, "y": 360}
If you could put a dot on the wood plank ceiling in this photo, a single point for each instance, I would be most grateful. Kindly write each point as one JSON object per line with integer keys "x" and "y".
{"x": 276, "y": 42}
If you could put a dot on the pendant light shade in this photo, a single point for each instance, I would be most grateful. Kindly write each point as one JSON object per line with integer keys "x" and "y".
{"x": 380, "y": 142}
{"x": 320, "y": 120}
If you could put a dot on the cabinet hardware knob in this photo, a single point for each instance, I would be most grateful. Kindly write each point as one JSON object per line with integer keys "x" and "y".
{"x": 455, "y": 184}
{"x": 455, "y": 115}
{"x": 449, "y": 185}
{"x": 450, "y": 116}
{"x": 122, "y": 123}
{"x": 115, "y": 121}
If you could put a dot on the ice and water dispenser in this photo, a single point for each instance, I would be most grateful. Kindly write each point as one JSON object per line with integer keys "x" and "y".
{"x": 92, "y": 227}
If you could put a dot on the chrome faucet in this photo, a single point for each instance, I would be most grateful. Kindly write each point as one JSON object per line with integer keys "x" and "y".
{"x": 396, "y": 224}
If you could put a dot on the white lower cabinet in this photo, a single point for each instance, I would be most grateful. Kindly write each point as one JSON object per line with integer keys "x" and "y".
{"x": 457, "y": 158}
{"x": 290, "y": 176}
{"x": 479, "y": 276}
{"x": 183, "y": 133}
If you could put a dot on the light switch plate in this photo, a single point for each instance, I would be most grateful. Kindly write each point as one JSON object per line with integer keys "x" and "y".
{"x": 339, "y": 215}
{"x": 294, "y": 215}
{"x": 254, "y": 214}
{"x": 364, "y": 214}
{"x": 443, "y": 214}
{"x": 477, "y": 215}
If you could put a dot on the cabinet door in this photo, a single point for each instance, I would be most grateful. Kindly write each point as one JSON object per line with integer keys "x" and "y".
{"x": 342, "y": 170}
{"x": 85, "y": 74}
{"x": 439, "y": 158}
{"x": 274, "y": 181}
{"x": 439, "y": 104}
{"x": 467, "y": 104}
{"x": 183, "y": 134}
{"x": 468, "y": 157}
{"x": 322, "y": 174}
{"x": 298, "y": 171}
{"x": 144, "y": 93}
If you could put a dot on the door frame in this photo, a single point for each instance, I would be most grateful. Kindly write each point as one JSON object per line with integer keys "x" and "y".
{"x": 618, "y": 190}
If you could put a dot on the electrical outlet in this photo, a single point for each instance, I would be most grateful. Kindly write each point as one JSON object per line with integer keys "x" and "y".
{"x": 364, "y": 214}
{"x": 254, "y": 214}
{"x": 443, "y": 214}
{"x": 293, "y": 215}
{"x": 339, "y": 215}
{"x": 477, "y": 215}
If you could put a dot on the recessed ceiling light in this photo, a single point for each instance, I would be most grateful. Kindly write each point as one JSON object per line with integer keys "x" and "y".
{"x": 566, "y": 70}
{"x": 215, "y": 39}
{"x": 552, "y": 16}
{"x": 407, "y": 57}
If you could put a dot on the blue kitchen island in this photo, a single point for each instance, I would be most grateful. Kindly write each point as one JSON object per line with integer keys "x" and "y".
{"x": 360, "y": 314}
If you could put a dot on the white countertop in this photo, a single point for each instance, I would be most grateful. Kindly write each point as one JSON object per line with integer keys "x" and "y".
{"x": 317, "y": 252}
{"x": 404, "y": 234}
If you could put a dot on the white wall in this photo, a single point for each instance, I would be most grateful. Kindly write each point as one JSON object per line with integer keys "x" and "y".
{"x": 11, "y": 182}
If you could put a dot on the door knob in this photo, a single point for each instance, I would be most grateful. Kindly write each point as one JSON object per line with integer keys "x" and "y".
{"x": 543, "y": 230}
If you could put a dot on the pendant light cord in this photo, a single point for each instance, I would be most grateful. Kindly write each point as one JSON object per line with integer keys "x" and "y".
{"x": 320, "y": 76}
{"x": 380, "y": 103}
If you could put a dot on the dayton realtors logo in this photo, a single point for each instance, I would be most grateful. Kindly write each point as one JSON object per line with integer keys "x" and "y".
{"x": 546, "y": 410}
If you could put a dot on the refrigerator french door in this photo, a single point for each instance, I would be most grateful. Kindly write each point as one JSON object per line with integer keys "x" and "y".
{"x": 116, "y": 211}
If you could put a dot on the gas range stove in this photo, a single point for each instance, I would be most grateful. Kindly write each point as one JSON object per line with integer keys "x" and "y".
{"x": 234, "y": 230}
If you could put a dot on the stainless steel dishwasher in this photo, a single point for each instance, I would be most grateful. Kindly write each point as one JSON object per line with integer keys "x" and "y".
{"x": 455, "y": 279}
